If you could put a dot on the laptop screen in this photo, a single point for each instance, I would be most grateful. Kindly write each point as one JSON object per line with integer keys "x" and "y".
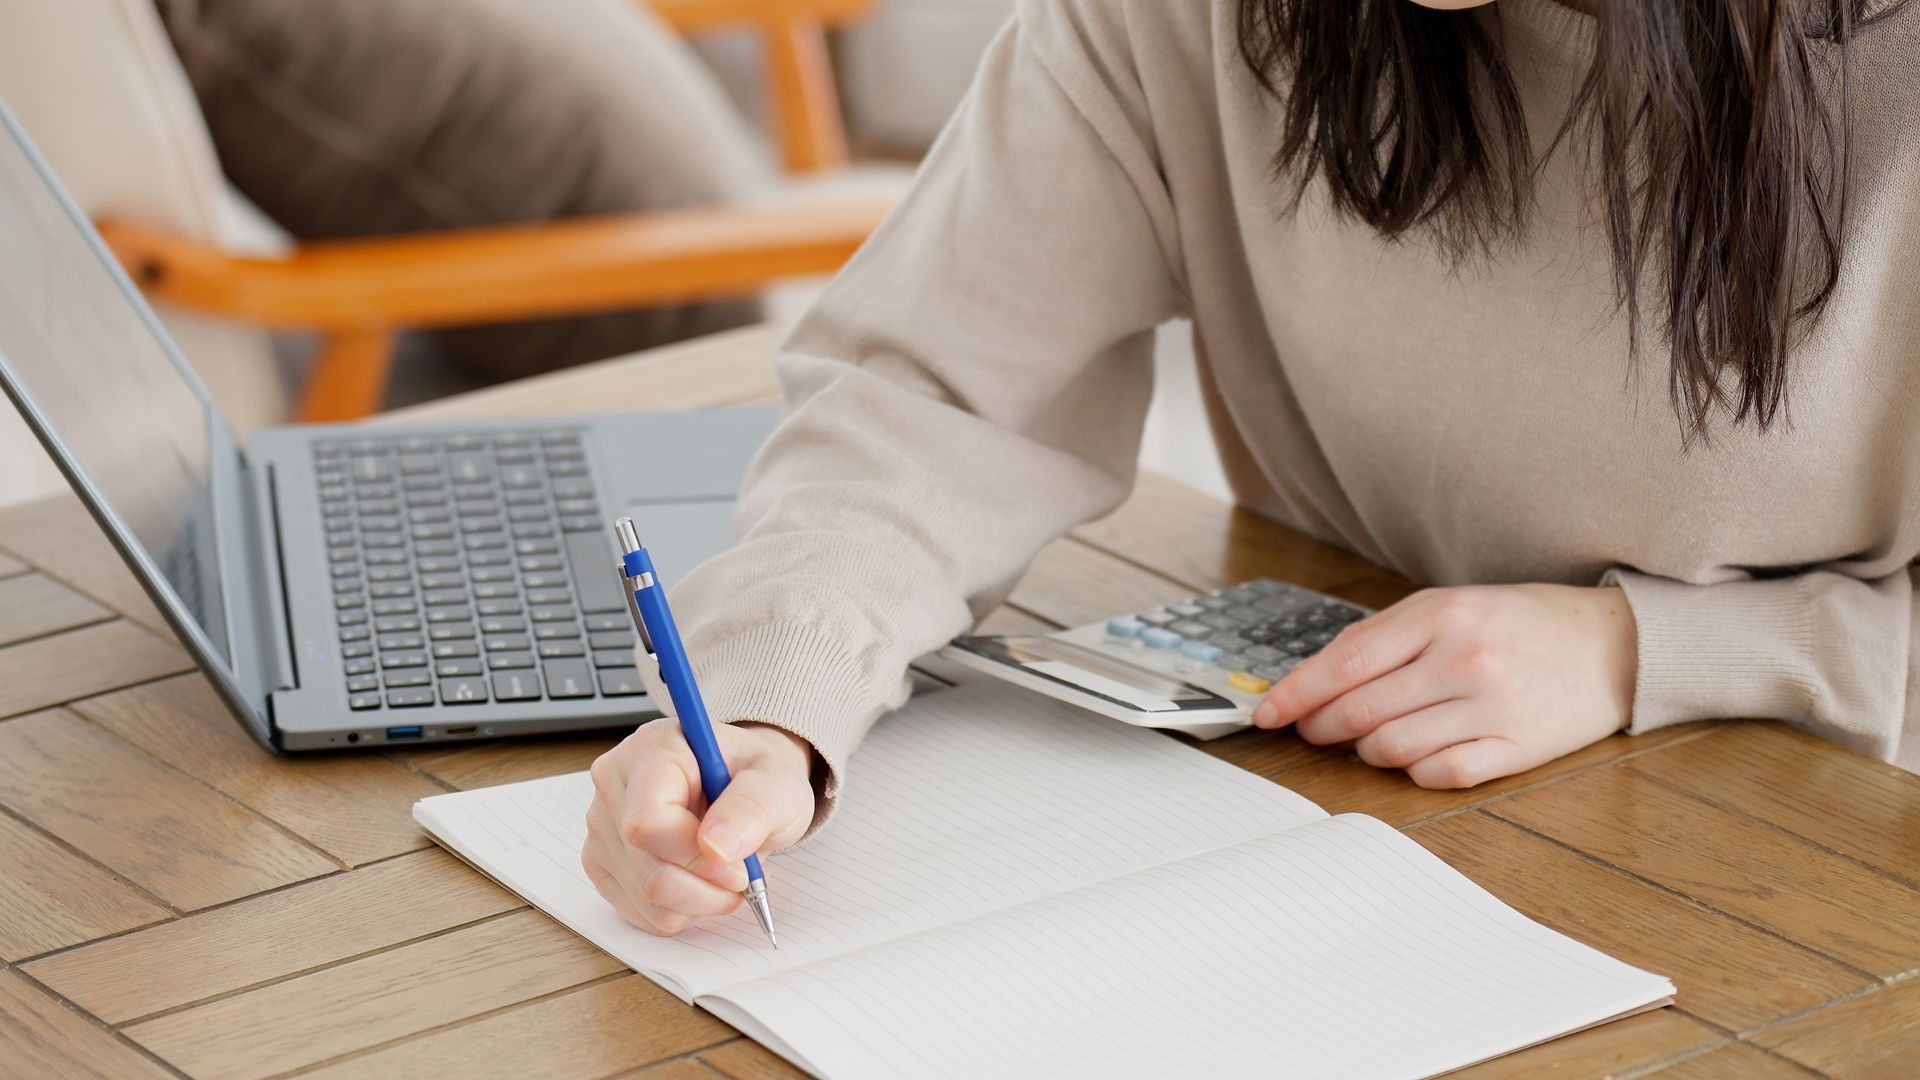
{"x": 85, "y": 357}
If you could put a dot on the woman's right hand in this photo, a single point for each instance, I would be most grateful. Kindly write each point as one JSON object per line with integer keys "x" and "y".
{"x": 662, "y": 857}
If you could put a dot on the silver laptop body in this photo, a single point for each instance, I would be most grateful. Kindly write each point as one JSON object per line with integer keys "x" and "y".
{"x": 343, "y": 585}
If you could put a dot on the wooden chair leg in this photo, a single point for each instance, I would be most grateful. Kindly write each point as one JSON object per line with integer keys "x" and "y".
{"x": 348, "y": 379}
{"x": 806, "y": 106}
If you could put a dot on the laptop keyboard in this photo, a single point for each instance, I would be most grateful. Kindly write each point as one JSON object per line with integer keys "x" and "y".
{"x": 471, "y": 568}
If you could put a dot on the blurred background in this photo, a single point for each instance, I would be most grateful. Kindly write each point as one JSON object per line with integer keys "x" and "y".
{"x": 344, "y": 206}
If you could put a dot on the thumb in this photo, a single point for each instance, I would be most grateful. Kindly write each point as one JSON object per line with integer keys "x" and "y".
{"x": 759, "y": 806}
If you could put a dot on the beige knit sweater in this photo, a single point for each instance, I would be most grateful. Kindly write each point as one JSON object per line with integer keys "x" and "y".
{"x": 974, "y": 385}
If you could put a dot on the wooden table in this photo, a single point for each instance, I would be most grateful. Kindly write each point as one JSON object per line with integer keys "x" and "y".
{"x": 174, "y": 901}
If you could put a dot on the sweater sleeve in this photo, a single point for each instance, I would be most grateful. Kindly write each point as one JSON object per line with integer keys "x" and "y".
{"x": 1823, "y": 650}
{"x": 971, "y": 386}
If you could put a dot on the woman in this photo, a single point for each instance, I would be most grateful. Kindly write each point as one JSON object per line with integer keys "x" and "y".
{"x": 1609, "y": 303}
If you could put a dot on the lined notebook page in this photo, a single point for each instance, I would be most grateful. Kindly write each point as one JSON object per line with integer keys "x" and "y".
{"x": 1340, "y": 948}
{"x": 966, "y": 801}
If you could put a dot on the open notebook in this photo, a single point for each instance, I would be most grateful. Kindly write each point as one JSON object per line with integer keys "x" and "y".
{"x": 1015, "y": 888}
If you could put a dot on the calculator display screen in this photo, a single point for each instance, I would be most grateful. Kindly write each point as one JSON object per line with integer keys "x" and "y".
{"x": 1111, "y": 679}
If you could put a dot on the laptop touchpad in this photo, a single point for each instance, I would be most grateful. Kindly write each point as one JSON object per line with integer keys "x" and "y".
{"x": 681, "y": 536}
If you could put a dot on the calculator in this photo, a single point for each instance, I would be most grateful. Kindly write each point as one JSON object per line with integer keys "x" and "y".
{"x": 1199, "y": 666}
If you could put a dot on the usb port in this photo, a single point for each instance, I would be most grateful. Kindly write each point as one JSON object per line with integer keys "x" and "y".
{"x": 396, "y": 734}
{"x": 467, "y": 730}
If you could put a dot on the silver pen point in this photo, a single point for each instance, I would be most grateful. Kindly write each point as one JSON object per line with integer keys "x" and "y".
{"x": 756, "y": 894}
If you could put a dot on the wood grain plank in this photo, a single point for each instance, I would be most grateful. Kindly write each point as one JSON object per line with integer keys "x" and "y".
{"x": 1756, "y": 872}
{"x": 51, "y": 898}
{"x": 39, "y": 1037}
{"x": 1789, "y": 779}
{"x": 1607, "y": 1050}
{"x": 375, "y": 999}
{"x": 1206, "y": 543}
{"x": 621, "y": 1024}
{"x": 512, "y": 760}
{"x": 270, "y": 937}
{"x": 80, "y": 663}
{"x": 185, "y": 844}
{"x": 10, "y": 566}
{"x": 1071, "y": 583}
{"x": 1344, "y": 783}
{"x": 683, "y": 1069}
{"x": 720, "y": 369}
{"x": 1874, "y": 1035}
{"x": 34, "y": 605}
{"x": 746, "y": 1060}
{"x": 57, "y": 535}
{"x": 1725, "y": 972}
{"x": 1734, "y": 1061}
{"x": 355, "y": 806}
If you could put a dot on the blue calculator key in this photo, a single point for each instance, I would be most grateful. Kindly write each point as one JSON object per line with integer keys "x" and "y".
{"x": 1125, "y": 626}
{"x": 1200, "y": 650}
{"x": 1159, "y": 637}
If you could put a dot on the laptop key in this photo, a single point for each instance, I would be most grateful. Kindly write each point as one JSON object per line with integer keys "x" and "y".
{"x": 360, "y": 684}
{"x": 503, "y": 624}
{"x": 443, "y": 597}
{"x": 396, "y": 624}
{"x": 538, "y": 563}
{"x": 393, "y": 607}
{"x": 549, "y": 596}
{"x": 493, "y": 573}
{"x": 408, "y": 677}
{"x": 599, "y": 624}
{"x": 452, "y": 631}
{"x": 441, "y": 580}
{"x": 622, "y": 640}
{"x": 498, "y": 607}
{"x": 568, "y": 679}
{"x": 447, "y": 669}
{"x": 550, "y": 650}
{"x": 410, "y": 697}
{"x": 546, "y": 580}
{"x": 403, "y": 659}
{"x": 351, "y": 617}
{"x": 507, "y": 643}
{"x": 391, "y": 590}
{"x": 617, "y": 683}
{"x": 586, "y": 524}
{"x": 463, "y": 691}
{"x": 358, "y": 702}
{"x": 355, "y": 633}
{"x": 386, "y": 557}
{"x": 536, "y": 547}
{"x": 495, "y": 590}
{"x": 356, "y": 650}
{"x": 447, "y": 650}
{"x": 438, "y": 565}
{"x": 358, "y": 667}
{"x": 613, "y": 658}
{"x": 516, "y": 685}
{"x": 500, "y": 660}
{"x": 401, "y": 641}
{"x": 496, "y": 557}
{"x": 551, "y": 613}
{"x": 450, "y": 614}
{"x": 554, "y": 631}
{"x": 594, "y": 580}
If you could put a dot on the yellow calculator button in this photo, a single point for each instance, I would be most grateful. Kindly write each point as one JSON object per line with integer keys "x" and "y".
{"x": 1248, "y": 682}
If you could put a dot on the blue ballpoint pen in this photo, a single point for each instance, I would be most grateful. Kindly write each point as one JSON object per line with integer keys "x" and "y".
{"x": 647, "y": 602}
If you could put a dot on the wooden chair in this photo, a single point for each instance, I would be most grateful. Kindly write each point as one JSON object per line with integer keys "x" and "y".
{"x": 356, "y": 294}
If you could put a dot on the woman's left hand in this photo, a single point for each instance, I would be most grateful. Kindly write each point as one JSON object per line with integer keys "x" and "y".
{"x": 1458, "y": 686}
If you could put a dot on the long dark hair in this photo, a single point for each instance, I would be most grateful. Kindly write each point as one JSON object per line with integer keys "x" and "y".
{"x": 1717, "y": 130}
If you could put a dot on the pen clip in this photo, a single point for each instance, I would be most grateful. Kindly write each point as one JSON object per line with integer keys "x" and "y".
{"x": 630, "y": 589}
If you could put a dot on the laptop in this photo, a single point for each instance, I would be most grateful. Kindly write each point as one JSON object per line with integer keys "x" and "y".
{"x": 340, "y": 585}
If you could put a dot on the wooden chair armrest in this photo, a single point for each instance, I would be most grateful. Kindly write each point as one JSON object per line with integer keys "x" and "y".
{"x": 803, "y": 101}
{"x": 499, "y": 274}
{"x": 700, "y": 16}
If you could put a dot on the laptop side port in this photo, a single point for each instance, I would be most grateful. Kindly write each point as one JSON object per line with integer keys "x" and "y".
{"x": 401, "y": 734}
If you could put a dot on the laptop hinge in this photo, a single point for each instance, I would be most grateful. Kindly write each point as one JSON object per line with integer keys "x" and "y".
{"x": 276, "y": 618}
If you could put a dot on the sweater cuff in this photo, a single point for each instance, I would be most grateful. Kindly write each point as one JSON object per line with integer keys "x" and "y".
{"x": 1737, "y": 649}
{"x": 788, "y": 675}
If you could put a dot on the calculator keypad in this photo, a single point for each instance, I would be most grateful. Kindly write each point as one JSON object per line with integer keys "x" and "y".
{"x": 1255, "y": 632}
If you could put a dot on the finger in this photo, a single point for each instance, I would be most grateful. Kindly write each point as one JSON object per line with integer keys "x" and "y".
{"x": 1399, "y": 743}
{"x": 655, "y": 817}
{"x": 670, "y": 889}
{"x": 611, "y": 891}
{"x": 1469, "y": 763}
{"x": 1364, "y": 651}
{"x": 1371, "y": 704}
{"x": 760, "y": 810}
